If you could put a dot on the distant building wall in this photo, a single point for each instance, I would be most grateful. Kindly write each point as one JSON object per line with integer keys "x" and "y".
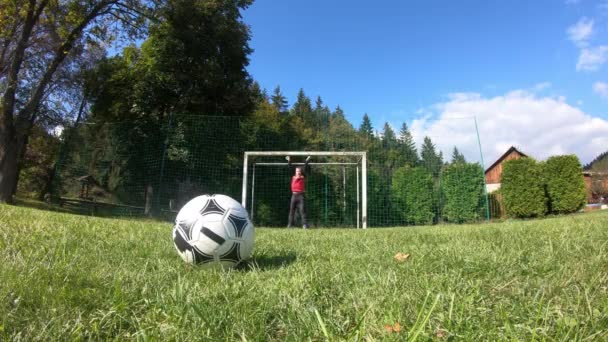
{"x": 491, "y": 187}
{"x": 596, "y": 182}
{"x": 494, "y": 173}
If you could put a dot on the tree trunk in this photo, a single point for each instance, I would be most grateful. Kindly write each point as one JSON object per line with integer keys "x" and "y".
{"x": 9, "y": 158}
{"x": 21, "y": 150}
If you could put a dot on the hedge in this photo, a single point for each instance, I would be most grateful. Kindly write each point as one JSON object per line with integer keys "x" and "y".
{"x": 565, "y": 186}
{"x": 462, "y": 187}
{"x": 522, "y": 188}
{"x": 412, "y": 192}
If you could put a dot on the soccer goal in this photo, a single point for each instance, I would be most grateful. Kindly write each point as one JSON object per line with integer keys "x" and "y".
{"x": 336, "y": 190}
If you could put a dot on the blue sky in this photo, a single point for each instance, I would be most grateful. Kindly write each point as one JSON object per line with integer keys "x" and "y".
{"x": 511, "y": 64}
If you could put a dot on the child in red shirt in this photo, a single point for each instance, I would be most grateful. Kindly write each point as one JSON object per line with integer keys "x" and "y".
{"x": 298, "y": 188}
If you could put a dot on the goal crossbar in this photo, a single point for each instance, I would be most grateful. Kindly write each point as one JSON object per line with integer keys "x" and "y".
{"x": 279, "y": 164}
{"x": 362, "y": 159}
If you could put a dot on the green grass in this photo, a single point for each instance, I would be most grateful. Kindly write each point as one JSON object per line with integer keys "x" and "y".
{"x": 75, "y": 277}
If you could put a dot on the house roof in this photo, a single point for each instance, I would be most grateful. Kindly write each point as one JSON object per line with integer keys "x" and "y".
{"x": 499, "y": 160}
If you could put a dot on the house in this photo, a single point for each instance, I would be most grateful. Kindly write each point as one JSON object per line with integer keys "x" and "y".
{"x": 494, "y": 172}
{"x": 596, "y": 184}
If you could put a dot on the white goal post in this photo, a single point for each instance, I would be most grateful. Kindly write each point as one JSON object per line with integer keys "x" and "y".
{"x": 360, "y": 156}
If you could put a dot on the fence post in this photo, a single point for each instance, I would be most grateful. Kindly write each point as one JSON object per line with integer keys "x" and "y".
{"x": 485, "y": 186}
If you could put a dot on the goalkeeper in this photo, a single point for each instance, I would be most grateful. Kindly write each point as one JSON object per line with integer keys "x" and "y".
{"x": 298, "y": 188}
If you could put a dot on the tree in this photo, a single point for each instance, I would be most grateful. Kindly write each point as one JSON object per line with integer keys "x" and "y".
{"x": 341, "y": 135}
{"x": 278, "y": 100}
{"x": 430, "y": 159}
{"x": 322, "y": 115}
{"x": 408, "y": 147}
{"x": 462, "y": 188}
{"x": 302, "y": 108}
{"x": 40, "y": 38}
{"x": 167, "y": 95}
{"x": 258, "y": 95}
{"x": 389, "y": 140}
{"x": 412, "y": 193}
{"x": 457, "y": 157}
{"x": 564, "y": 183}
{"x": 366, "y": 129}
{"x": 195, "y": 60}
{"x": 599, "y": 163}
{"x": 522, "y": 188}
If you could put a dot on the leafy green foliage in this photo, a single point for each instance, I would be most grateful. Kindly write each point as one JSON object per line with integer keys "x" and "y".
{"x": 564, "y": 183}
{"x": 462, "y": 188}
{"x": 522, "y": 188}
{"x": 38, "y": 164}
{"x": 412, "y": 192}
{"x": 46, "y": 45}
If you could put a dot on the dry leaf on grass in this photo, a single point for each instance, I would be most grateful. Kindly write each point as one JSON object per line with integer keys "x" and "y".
{"x": 396, "y": 328}
{"x": 401, "y": 257}
{"x": 441, "y": 333}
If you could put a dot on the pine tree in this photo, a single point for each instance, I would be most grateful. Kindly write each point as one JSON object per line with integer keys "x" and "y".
{"x": 322, "y": 114}
{"x": 429, "y": 157}
{"x": 366, "y": 129}
{"x": 339, "y": 113}
{"x": 278, "y": 100}
{"x": 302, "y": 107}
{"x": 457, "y": 157}
{"x": 389, "y": 139}
{"x": 408, "y": 147}
{"x": 258, "y": 95}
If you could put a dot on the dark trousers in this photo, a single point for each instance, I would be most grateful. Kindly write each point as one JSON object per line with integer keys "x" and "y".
{"x": 297, "y": 202}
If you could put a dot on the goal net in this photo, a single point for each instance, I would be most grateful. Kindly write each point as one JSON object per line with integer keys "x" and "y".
{"x": 336, "y": 187}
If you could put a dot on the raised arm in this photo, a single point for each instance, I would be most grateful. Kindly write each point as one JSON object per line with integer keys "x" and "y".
{"x": 306, "y": 170}
{"x": 289, "y": 163}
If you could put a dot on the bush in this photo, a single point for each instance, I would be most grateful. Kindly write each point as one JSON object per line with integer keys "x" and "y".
{"x": 412, "y": 192}
{"x": 522, "y": 188}
{"x": 463, "y": 191}
{"x": 565, "y": 186}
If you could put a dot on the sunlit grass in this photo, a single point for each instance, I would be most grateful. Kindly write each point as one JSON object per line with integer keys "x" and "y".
{"x": 76, "y": 277}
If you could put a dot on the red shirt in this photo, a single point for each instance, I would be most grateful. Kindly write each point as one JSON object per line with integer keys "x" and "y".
{"x": 297, "y": 184}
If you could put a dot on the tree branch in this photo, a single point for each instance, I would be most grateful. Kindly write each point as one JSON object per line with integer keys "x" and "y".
{"x": 8, "y": 99}
{"x": 133, "y": 9}
{"x": 29, "y": 111}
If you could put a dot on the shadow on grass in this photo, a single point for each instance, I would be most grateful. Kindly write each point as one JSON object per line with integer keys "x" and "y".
{"x": 266, "y": 262}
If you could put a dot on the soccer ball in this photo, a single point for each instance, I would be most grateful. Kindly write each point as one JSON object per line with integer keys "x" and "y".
{"x": 213, "y": 230}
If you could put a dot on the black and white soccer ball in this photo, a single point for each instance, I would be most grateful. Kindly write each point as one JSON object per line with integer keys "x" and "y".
{"x": 213, "y": 230}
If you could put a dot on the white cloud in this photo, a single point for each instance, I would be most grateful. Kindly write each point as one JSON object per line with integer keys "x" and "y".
{"x": 580, "y": 32}
{"x": 601, "y": 89}
{"x": 539, "y": 126}
{"x": 592, "y": 58}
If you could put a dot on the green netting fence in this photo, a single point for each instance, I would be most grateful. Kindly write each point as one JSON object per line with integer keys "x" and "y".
{"x": 150, "y": 168}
